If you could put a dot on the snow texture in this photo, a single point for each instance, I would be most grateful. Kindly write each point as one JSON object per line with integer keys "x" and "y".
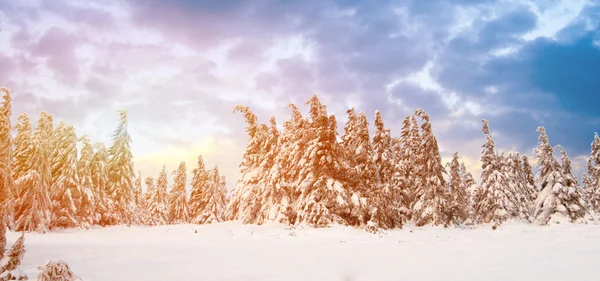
{"x": 231, "y": 251}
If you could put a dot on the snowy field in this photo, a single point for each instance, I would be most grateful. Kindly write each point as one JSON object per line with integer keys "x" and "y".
{"x": 229, "y": 251}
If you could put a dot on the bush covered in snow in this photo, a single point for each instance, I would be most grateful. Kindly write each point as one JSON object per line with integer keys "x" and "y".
{"x": 56, "y": 271}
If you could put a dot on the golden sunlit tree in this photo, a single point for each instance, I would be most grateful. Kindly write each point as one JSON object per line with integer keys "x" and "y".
{"x": 120, "y": 172}
{"x": 64, "y": 191}
{"x": 6, "y": 159}
{"x": 178, "y": 209}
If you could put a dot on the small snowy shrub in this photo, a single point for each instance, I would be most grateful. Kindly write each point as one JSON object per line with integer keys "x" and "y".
{"x": 56, "y": 271}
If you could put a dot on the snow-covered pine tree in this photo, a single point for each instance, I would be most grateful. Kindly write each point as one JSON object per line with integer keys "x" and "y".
{"x": 414, "y": 159}
{"x": 141, "y": 204}
{"x": 6, "y": 158}
{"x": 24, "y": 150}
{"x": 459, "y": 194}
{"x": 33, "y": 205}
{"x": 560, "y": 200}
{"x": 495, "y": 202}
{"x": 522, "y": 190}
{"x": 178, "y": 209}
{"x": 212, "y": 203}
{"x": 9, "y": 264}
{"x": 593, "y": 183}
{"x": 529, "y": 183}
{"x": 87, "y": 207}
{"x": 146, "y": 218}
{"x": 362, "y": 176}
{"x": 432, "y": 205}
{"x": 64, "y": 192}
{"x": 324, "y": 198}
{"x": 388, "y": 197}
{"x": 469, "y": 185}
{"x": 120, "y": 172}
{"x": 105, "y": 211}
{"x": 510, "y": 169}
{"x": 158, "y": 205}
{"x": 274, "y": 196}
{"x": 292, "y": 143}
{"x": 245, "y": 202}
{"x": 200, "y": 180}
{"x": 404, "y": 159}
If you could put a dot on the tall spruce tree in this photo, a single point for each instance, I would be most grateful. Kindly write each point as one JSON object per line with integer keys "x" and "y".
{"x": 158, "y": 206}
{"x": 65, "y": 193}
{"x": 33, "y": 205}
{"x": 387, "y": 199}
{"x": 246, "y": 202}
{"x": 178, "y": 209}
{"x": 432, "y": 204}
{"x": 495, "y": 202}
{"x": 6, "y": 158}
{"x": 106, "y": 213}
{"x": 560, "y": 200}
{"x": 459, "y": 193}
{"x": 592, "y": 187}
{"x": 120, "y": 172}
{"x": 469, "y": 185}
{"x": 324, "y": 198}
{"x": 86, "y": 211}
{"x": 199, "y": 184}
{"x": 212, "y": 203}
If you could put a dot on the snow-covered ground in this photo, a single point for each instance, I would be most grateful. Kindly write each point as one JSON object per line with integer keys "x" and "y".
{"x": 229, "y": 251}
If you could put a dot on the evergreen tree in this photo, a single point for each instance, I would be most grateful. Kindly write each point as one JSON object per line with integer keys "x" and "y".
{"x": 292, "y": 144}
{"x": 33, "y": 206}
{"x": 158, "y": 210}
{"x": 513, "y": 170}
{"x": 105, "y": 211}
{"x": 120, "y": 172}
{"x": 361, "y": 174}
{"x": 593, "y": 183}
{"x": 246, "y": 202}
{"x": 560, "y": 198}
{"x": 274, "y": 197}
{"x": 404, "y": 159}
{"x": 211, "y": 204}
{"x": 388, "y": 198}
{"x": 178, "y": 209}
{"x": 65, "y": 193}
{"x": 495, "y": 202}
{"x": 6, "y": 158}
{"x": 9, "y": 264}
{"x": 459, "y": 193}
{"x": 324, "y": 198}
{"x": 414, "y": 160}
{"x": 432, "y": 198}
{"x": 531, "y": 190}
{"x": 200, "y": 180}
{"x": 468, "y": 185}
{"x": 23, "y": 143}
{"x": 86, "y": 211}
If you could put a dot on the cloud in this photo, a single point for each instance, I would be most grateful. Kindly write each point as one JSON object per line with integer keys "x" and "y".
{"x": 181, "y": 66}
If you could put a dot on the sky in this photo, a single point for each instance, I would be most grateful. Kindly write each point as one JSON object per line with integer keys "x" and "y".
{"x": 179, "y": 67}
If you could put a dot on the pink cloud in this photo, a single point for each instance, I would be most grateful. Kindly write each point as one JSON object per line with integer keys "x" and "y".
{"x": 97, "y": 19}
{"x": 58, "y": 47}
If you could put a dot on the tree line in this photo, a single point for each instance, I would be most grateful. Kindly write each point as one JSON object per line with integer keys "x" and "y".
{"x": 306, "y": 174}
{"x": 51, "y": 178}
